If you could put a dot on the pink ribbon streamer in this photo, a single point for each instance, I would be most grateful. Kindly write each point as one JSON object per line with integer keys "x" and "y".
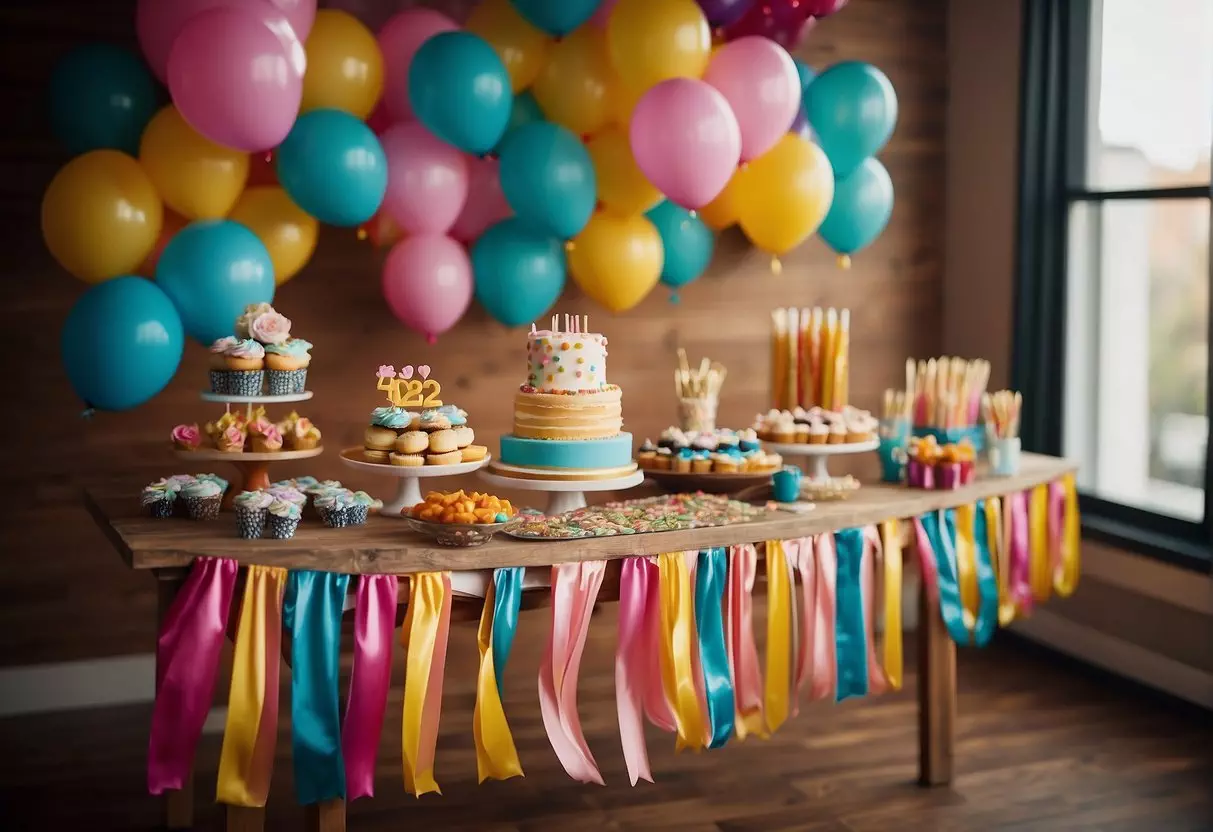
{"x": 374, "y": 621}
{"x": 1016, "y": 514}
{"x": 872, "y": 554}
{"x": 692, "y": 560}
{"x": 187, "y": 664}
{"x": 574, "y": 590}
{"x": 825, "y": 668}
{"x": 1056, "y": 523}
{"x": 739, "y": 635}
{"x": 632, "y": 664}
{"x": 926, "y": 562}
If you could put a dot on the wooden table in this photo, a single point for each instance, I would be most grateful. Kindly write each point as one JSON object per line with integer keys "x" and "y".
{"x": 385, "y": 546}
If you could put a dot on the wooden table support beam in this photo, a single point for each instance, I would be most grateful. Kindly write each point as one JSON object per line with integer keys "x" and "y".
{"x": 936, "y": 695}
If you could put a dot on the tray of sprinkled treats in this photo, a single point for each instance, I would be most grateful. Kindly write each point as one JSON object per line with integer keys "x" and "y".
{"x": 721, "y": 461}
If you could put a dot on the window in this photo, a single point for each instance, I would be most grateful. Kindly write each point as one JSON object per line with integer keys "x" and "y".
{"x": 1112, "y": 315}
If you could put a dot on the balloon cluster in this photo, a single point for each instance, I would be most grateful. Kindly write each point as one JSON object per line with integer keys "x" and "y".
{"x": 598, "y": 139}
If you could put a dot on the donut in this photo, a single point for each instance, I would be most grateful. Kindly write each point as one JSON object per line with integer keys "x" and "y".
{"x": 412, "y": 442}
{"x": 408, "y": 460}
{"x": 452, "y": 458}
{"x": 443, "y": 441}
{"x": 464, "y": 436}
{"x": 474, "y": 453}
{"x": 380, "y": 438}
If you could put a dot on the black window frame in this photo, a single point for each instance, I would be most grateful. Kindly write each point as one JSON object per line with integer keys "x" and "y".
{"x": 1054, "y": 85}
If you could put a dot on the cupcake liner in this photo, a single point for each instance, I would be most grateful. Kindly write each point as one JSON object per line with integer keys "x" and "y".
{"x": 337, "y": 518}
{"x": 281, "y": 528}
{"x": 322, "y": 514}
{"x": 250, "y": 522}
{"x": 245, "y": 382}
{"x": 358, "y": 515}
{"x": 160, "y": 509}
{"x": 219, "y": 381}
{"x": 203, "y": 508}
{"x": 286, "y": 382}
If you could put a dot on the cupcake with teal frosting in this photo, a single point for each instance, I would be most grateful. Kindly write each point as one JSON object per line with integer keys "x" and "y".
{"x": 252, "y": 510}
{"x": 283, "y": 518}
{"x": 364, "y": 504}
{"x": 289, "y": 493}
{"x": 202, "y": 499}
{"x": 286, "y": 366}
{"x": 338, "y": 508}
{"x": 159, "y": 499}
{"x": 215, "y": 478}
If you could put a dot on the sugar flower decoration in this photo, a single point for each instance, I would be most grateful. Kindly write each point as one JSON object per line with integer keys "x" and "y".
{"x": 386, "y": 371}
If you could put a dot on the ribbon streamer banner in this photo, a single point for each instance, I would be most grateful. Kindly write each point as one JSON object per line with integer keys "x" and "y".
{"x": 678, "y": 642}
{"x": 825, "y": 672}
{"x": 710, "y": 579}
{"x": 632, "y": 663}
{"x": 892, "y": 660}
{"x": 850, "y": 645}
{"x": 779, "y": 637}
{"x": 496, "y": 756}
{"x": 739, "y": 637}
{"x": 370, "y": 678}
{"x": 426, "y": 626}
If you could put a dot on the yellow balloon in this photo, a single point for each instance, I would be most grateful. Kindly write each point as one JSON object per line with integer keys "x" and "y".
{"x": 197, "y": 178}
{"x": 574, "y": 87}
{"x": 101, "y": 215}
{"x": 521, "y": 47}
{"x": 617, "y": 260}
{"x": 344, "y": 65}
{"x": 622, "y": 188}
{"x": 623, "y": 102}
{"x": 784, "y": 194}
{"x": 654, "y": 40}
{"x": 721, "y": 212}
{"x": 289, "y": 232}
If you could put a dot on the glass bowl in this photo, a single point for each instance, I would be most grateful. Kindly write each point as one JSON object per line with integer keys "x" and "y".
{"x": 458, "y": 534}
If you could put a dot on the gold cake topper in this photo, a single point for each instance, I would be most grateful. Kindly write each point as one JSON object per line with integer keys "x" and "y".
{"x": 405, "y": 391}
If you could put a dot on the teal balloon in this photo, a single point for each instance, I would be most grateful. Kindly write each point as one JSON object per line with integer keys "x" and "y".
{"x": 519, "y": 272}
{"x": 548, "y": 178}
{"x": 863, "y": 202}
{"x": 459, "y": 89}
{"x": 212, "y": 270}
{"x": 852, "y": 108}
{"x": 121, "y": 343}
{"x": 687, "y": 241}
{"x": 807, "y": 75}
{"x": 333, "y": 166}
{"x": 556, "y": 17}
{"x": 101, "y": 96}
{"x": 524, "y": 111}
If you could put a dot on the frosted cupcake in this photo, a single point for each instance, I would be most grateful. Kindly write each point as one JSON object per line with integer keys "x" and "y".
{"x": 747, "y": 440}
{"x": 663, "y": 460}
{"x": 701, "y": 461}
{"x": 646, "y": 455}
{"x": 286, "y": 366}
{"x": 289, "y": 493}
{"x": 819, "y": 434}
{"x": 215, "y": 478}
{"x": 252, "y": 509}
{"x": 363, "y": 505}
{"x": 724, "y": 463}
{"x": 334, "y": 508}
{"x": 245, "y": 368}
{"x": 838, "y": 434}
{"x": 159, "y": 499}
{"x": 202, "y": 499}
{"x": 186, "y": 437}
{"x": 218, "y": 363}
{"x": 231, "y": 440}
{"x": 283, "y": 519}
{"x": 304, "y": 436}
{"x": 264, "y": 438}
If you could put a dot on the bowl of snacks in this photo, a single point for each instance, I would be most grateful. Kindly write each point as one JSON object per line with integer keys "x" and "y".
{"x": 459, "y": 518}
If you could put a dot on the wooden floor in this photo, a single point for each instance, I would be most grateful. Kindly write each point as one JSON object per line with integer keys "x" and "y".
{"x": 1041, "y": 746}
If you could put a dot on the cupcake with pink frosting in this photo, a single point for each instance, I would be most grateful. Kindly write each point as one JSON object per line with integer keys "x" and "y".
{"x": 218, "y": 363}
{"x": 186, "y": 437}
{"x": 264, "y": 437}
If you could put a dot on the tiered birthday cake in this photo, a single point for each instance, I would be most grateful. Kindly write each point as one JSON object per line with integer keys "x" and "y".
{"x": 567, "y": 418}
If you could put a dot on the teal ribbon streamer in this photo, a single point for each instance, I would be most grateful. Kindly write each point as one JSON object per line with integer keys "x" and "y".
{"x": 987, "y": 580}
{"x": 507, "y": 598}
{"x": 850, "y": 637}
{"x": 710, "y": 576}
{"x": 940, "y": 527}
{"x": 311, "y": 611}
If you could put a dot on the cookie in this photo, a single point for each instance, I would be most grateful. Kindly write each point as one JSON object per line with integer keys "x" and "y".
{"x": 474, "y": 453}
{"x": 412, "y": 442}
{"x": 408, "y": 460}
{"x": 432, "y": 420}
{"x": 374, "y": 456}
{"x": 443, "y": 441}
{"x": 380, "y": 438}
{"x": 464, "y": 436}
{"x": 452, "y": 458}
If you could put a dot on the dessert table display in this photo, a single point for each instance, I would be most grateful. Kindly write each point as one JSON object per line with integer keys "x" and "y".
{"x": 987, "y": 553}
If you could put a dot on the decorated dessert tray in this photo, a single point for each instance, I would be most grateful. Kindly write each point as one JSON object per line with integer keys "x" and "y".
{"x": 674, "y": 512}
{"x": 712, "y": 483}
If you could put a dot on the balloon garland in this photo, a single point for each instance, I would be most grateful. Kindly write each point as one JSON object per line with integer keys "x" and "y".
{"x": 603, "y": 140}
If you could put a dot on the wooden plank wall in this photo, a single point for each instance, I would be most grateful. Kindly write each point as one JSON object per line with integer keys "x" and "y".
{"x": 65, "y": 595}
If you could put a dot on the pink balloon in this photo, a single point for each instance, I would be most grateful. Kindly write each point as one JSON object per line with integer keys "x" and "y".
{"x": 232, "y": 80}
{"x": 603, "y": 13}
{"x": 485, "y": 203}
{"x": 427, "y": 282}
{"x": 427, "y": 179}
{"x": 159, "y": 22}
{"x": 399, "y": 40}
{"x": 759, "y": 80}
{"x": 685, "y": 140}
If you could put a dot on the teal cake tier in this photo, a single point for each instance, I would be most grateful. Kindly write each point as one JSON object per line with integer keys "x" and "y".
{"x": 567, "y": 453}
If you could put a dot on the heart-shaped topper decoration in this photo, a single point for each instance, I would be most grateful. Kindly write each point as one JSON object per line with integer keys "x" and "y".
{"x": 423, "y": 371}
{"x": 406, "y": 372}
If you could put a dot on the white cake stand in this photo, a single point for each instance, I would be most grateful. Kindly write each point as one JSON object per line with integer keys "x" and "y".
{"x": 820, "y": 454}
{"x": 228, "y": 398}
{"x": 563, "y": 495}
{"x": 408, "y": 491}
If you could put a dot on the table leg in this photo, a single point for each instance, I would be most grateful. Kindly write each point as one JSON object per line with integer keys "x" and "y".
{"x": 936, "y": 696}
{"x": 328, "y": 816}
{"x": 245, "y": 819}
{"x": 179, "y": 804}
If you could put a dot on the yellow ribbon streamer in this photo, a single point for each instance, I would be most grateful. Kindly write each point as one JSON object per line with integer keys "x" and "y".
{"x": 1039, "y": 574}
{"x": 966, "y": 565}
{"x": 427, "y": 595}
{"x": 678, "y": 639}
{"x": 1065, "y": 580}
{"x": 246, "y": 760}
{"x": 892, "y": 657}
{"x": 779, "y": 636}
{"x": 496, "y": 756}
{"x": 995, "y": 538}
